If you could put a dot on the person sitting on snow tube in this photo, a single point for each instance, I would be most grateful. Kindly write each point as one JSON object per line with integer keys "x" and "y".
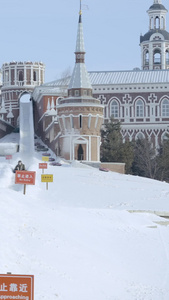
{"x": 19, "y": 167}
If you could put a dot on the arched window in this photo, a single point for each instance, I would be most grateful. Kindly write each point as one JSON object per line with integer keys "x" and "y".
{"x": 157, "y": 23}
{"x": 164, "y": 136}
{"x": 139, "y": 108}
{"x": 76, "y": 93}
{"x": 34, "y": 76}
{"x": 157, "y": 57}
{"x": 80, "y": 121}
{"x": 114, "y": 109}
{"x": 167, "y": 57}
{"x": 146, "y": 57}
{"x": 140, "y": 136}
{"x": 165, "y": 108}
{"x": 20, "y": 77}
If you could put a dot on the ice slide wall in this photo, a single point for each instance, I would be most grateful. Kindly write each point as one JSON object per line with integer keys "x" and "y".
{"x": 26, "y": 144}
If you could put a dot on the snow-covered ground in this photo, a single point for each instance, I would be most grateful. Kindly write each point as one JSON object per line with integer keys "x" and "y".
{"x": 79, "y": 239}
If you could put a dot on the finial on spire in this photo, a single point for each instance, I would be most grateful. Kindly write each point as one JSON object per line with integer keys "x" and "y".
{"x": 157, "y": 1}
{"x": 80, "y": 12}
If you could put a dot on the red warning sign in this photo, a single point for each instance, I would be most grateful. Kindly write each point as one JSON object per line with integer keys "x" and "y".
{"x": 16, "y": 287}
{"x": 43, "y": 165}
{"x": 25, "y": 177}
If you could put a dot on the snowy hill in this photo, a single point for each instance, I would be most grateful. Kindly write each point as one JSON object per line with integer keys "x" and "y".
{"x": 79, "y": 239}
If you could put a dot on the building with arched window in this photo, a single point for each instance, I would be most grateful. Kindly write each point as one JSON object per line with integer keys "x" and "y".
{"x": 165, "y": 108}
{"x": 69, "y": 112}
{"x": 114, "y": 109}
{"x": 138, "y": 98}
{"x": 139, "y": 109}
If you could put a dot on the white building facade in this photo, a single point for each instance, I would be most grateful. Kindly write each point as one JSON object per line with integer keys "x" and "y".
{"x": 139, "y": 99}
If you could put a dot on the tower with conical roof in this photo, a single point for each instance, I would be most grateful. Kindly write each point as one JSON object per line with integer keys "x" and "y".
{"x": 155, "y": 43}
{"x": 80, "y": 116}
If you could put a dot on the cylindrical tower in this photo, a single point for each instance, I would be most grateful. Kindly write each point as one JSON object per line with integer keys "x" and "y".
{"x": 18, "y": 77}
{"x": 80, "y": 115}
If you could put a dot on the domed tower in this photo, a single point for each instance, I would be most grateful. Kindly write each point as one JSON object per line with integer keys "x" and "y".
{"x": 80, "y": 115}
{"x": 155, "y": 43}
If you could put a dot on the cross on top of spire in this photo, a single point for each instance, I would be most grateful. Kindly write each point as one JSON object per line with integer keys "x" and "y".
{"x": 80, "y": 12}
{"x": 157, "y": 1}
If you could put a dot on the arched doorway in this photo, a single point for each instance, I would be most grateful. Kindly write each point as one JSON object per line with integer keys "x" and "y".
{"x": 80, "y": 152}
{"x": 80, "y": 149}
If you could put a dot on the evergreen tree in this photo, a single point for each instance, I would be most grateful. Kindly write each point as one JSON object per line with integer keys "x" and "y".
{"x": 127, "y": 151}
{"x": 112, "y": 148}
{"x": 145, "y": 162}
{"x": 111, "y": 141}
{"x": 163, "y": 160}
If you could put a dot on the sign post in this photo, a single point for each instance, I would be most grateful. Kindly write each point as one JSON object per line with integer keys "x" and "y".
{"x": 16, "y": 287}
{"x": 47, "y": 178}
{"x": 45, "y": 158}
{"x": 43, "y": 166}
{"x": 8, "y": 157}
{"x": 25, "y": 177}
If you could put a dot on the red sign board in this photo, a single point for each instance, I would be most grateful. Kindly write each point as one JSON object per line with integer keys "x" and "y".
{"x": 43, "y": 165}
{"x": 8, "y": 156}
{"x": 25, "y": 177}
{"x": 16, "y": 287}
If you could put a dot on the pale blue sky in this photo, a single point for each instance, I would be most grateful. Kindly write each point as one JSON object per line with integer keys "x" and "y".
{"x": 46, "y": 31}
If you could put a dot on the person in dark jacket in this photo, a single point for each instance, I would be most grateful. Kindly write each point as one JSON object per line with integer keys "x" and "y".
{"x": 19, "y": 167}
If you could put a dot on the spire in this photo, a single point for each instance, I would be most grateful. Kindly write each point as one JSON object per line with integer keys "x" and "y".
{"x": 80, "y": 77}
{"x": 80, "y": 39}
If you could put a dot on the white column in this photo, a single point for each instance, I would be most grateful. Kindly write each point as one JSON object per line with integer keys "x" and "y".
{"x": 43, "y": 74}
{"x": 142, "y": 58}
{"x": 32, "y": 82}
{"x": 9, "y": 75}
{"x": 163, "y": 58}
{"x": 71, "y": 144}
{"x": 150, "y": 57}
{"x": 98, "y": 148}
{"x": 15, "y": 71}
{"x": 39, "y": 80}
{"x": 25, "y": 77}
{"x": 149, "y": 23}
{"x": 156, "y": 140}
{"x": 146, "y": 111}
{"x": 158, "y": 112}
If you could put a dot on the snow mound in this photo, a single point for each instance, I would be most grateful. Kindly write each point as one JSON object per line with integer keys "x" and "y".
{"x": 78, "y": 237}
{"x": 78, "y": 164}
